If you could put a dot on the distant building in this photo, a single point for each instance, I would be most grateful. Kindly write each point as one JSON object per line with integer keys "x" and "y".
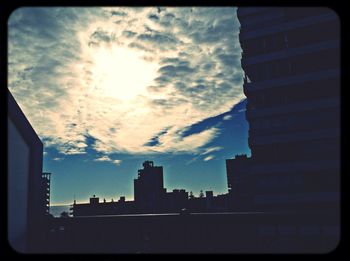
{"x": 221, "y": 203}
{"x": 46, "y": 180}
{"x": 152, "y": 197}
{"x": 239, "y": 189}
{"x": 149, "y": 197}
{"x": 291, "y": 58}
{"x": 148, "y": 188}
{"x": 94, "y": 200}
{"x": 95, "y": 207}
{"x": 175, "y": 201}
{"x": 209, "y": 196}
{"x": 197, "y": 205}
{"x": 217, "y": 203}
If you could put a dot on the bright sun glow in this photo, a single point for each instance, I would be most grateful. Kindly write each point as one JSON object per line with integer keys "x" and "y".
{"x": 121, "y": 73}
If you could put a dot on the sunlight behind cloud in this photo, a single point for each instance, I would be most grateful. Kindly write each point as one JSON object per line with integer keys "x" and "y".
{"x": 125, "y": 76}
{"x": 120, "y": 72}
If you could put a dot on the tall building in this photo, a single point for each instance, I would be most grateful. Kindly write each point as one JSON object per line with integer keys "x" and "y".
{"x": 291, "y": 59}
{"x": 46, "y": 179}
{"x": 148, "y": 187}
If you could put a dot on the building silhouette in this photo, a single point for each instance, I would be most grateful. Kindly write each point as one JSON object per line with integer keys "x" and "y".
{"x": 46, "y": 180}
{"x": 150, "y": 196}
{"x": 292, "y": 84}
{"x": 239, "y": 194}
{"x": 148, "y": 188}
{"x": 27, "y": 191}
{"x": 95, "y": 207}
{"x": 175, "y": 201}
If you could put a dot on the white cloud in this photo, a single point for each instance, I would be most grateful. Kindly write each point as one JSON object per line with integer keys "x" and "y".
{"x": 117, "y": 162}
{"x": 58, "y": 159}
{"x": 227, "y": 117}
{"x": 211, "y": 149}
{"x": 57, "y": 75}
{"x": 210, "y": 157}
{"x": 108, "y": 159}
{"x": 103, "y": 158}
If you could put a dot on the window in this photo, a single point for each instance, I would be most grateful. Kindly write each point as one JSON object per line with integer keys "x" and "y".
{"x": 311, "y": 34}
{"x": 275, "y": 43}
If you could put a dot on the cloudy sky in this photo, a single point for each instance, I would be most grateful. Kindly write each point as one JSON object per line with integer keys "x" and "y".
{"x": 107, "y": 88}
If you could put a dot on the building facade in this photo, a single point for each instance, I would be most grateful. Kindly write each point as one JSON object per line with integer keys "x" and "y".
{"x": 291, "y": 59}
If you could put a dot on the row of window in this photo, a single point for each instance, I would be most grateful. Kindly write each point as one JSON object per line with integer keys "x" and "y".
{"x": 293, "y": 38}
{"x": 294, "y": 94}
{"x": 275, "y": 15}
{"x": 292, "y": 13}
{"x": 283, "y": 183}
{"x": 313, "y": 181}
{"x": 305, "y": 121}
{"x": 306, "y": 63}
{"x": 321, "y": 149}
{"x": 270, "y": 16}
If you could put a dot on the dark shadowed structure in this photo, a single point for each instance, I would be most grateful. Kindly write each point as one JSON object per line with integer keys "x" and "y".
{"x": 293, "y": 106}
{"x": 27, "y": 205}
{"x": 291, "y": 58}
{"x": 148, "y": 188}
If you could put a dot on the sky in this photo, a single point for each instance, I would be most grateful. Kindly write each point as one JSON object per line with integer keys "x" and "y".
{"x": 108, "y": 88}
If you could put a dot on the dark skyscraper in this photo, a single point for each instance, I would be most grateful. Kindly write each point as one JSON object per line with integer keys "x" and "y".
{"x": 291, "y": 58}
{"x": 148, "y": 187}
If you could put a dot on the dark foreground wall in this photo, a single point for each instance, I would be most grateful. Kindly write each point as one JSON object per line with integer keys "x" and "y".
{"x": 195, "y": 233}
{"x": 25, "y": 211}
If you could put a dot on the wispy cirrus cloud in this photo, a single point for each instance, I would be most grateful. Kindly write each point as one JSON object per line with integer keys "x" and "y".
{"x": 188, "y": 58}
{"x": 211, "y": 149}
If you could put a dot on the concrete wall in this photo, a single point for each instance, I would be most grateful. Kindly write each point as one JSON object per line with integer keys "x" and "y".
{"x": 18, "y": 173}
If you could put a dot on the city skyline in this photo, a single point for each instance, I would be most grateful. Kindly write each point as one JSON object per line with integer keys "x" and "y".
{"x": 209, "y": 184}
{"x": 184, "y": 107}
